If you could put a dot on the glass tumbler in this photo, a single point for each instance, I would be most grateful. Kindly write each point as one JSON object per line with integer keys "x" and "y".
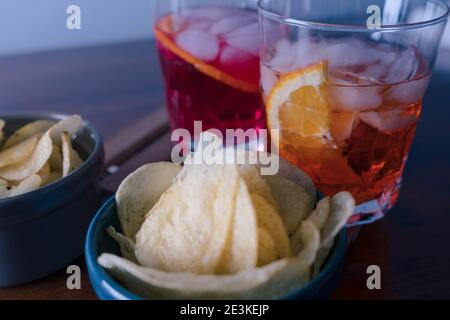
{"x": 343, "y": 81}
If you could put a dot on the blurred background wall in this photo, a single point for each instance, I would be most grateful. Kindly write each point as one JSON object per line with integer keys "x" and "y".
{"x": 39, "y": 25}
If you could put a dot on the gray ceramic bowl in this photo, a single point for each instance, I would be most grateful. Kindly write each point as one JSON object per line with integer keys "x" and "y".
{"x": 43, "y": 231}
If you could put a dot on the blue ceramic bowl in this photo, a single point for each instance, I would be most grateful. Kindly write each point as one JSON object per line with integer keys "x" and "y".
{"x": 43, "y": 231}
{"x": 107, "y": 288}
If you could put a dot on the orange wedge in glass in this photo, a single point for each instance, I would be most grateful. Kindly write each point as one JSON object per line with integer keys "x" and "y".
{"x": 298, "y": 107}
{"x": 308, "y": 129}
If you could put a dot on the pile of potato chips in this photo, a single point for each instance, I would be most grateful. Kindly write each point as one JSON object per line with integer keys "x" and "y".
{"x": 37, "y": 154}
{"x": 222, "y": 231}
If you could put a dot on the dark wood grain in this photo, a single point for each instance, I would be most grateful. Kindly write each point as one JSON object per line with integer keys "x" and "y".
{"x": 111, "y": 86}
{"x": 52, "y": 288}
{"x": 115, "y": 86}
{"x": 135, "y": 137}
{"x": 158, "y": 150}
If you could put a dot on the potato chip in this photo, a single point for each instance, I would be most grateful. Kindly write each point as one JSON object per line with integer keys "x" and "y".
{"x": 71, "y": 125}
{"x": 320, "y": 215}
{"x": 342, "y": 208}
{"x": 256, "y": 184}
{"x": 299, "y": 177}
{"x": 310, "y": 238}
{"x": 267, "y": 251}
{"x": 321, "y": 258}
{"x": 54, "y": 177}
{"x": 306, "y": 242}
{"x": 29, "y": 130}
{"x": 18, "y": 153}
{"x": 30, "y": 151}
{"x": 215, "y": 231}
{"x": 241, "y": 251}
{"x": 290, "y": 191}
{"x": 209, "y": 151}
{"x": 3, "y": 183}
{"x": 269, "y": 219}
{"x": 33, "y": 164}
{"x": 295, "y": 275}
{"x": 44, "y": 174}
{"x": 186, "y": 231}
{"x": 153, "y": 283}
{"x": 71, "y": 159}
{"x": 140, "y": 191}
{"x": 56, "y": 160}
{"x": 295, "y": 203}
{"x": 241, "y": 157}
{"x": 30, "y": 184}
{"x": 5, "y": 191}
{"x": 297, "y": 272}
{"x": 127, "y": 246}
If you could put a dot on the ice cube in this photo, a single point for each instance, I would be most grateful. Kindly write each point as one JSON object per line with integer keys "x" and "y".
{"x": 248, "y": 30}
{"x": 307, "y": 52}
{"x": 245, "y": 38}
{"x": 340, "y": 54}
{"x": 409, "y": 92}
{"x": 230, "y": 24}
{"x": 389, "y": 58}
{"x": 351, "y": 52}
{"x": 200, "y": 25}
{"x": 405, "y": 67}
{"x": 388, "y": 121}
{"x": 202, "y": 45}
{"x": 354, "y": 98}
{"x": 230, "y": 56}
{"x": 373, "y": 73}
{"x": 268, "y": 80}
{"x": 284, "y": 55}
{"x": 372, "y": 56}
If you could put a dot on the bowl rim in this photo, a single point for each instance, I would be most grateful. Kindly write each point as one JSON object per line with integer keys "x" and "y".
{"x": 97, "y": 137}
{"x": 97, "y": 274}
{"x": 100, "y": 277}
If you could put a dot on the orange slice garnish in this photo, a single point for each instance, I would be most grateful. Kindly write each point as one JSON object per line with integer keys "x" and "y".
{"x": 163, "y": 32}
{"x": 298, "y": 107}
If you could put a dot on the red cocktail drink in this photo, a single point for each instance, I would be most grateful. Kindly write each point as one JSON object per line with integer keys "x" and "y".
{"x": 210, "y": 60}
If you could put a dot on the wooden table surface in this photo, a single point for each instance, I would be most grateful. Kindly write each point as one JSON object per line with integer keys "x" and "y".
{"x": 115, "y": 86}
